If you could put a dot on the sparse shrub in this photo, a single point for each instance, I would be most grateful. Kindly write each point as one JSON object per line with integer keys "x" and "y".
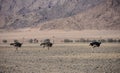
{"x": 4, "y": 41}
{"x": 35, "y": 41}
{"x": 93, "y": 40}
{"x": 77, "y": 41}
{"x": 103, "y": 40}
{"x": 110, "y": 40}
{"x": 46, "y": 40}
{"x": 82, "y": 40}
{"x": 88, "y": 40}
{"x": 118, "y": 40}
{"x": 30, "y": 40}
{"x": 15, "y": 40}
{"x": 67, "y": 40}
{"x": 114, "y": 40}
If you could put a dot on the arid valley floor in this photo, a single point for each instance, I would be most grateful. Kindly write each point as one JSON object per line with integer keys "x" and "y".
{"x": 62, "y": 57}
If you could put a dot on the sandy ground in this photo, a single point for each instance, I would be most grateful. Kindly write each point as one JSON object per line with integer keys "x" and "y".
{"x": 61, "y": 58}
{"x": 57, "y": 35}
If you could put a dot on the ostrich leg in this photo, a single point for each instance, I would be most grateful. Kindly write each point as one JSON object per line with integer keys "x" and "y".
{"x": 48, "y": 47}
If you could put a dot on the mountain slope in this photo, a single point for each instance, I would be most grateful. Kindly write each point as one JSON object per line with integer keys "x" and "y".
{"x": 27, "y": 13}
{"x": 103, "y": 16}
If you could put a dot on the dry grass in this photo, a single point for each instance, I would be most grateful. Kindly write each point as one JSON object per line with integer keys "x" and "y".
{"x": 61, "y": 58}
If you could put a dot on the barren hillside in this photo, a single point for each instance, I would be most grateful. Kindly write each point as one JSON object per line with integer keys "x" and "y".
{"x": 103, "y": 16}
{"x": 60, "y": 14}
{"x": 28, "y": 13}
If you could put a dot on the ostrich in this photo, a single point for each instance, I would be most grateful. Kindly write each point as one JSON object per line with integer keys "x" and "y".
{"x": 16, "y": 44}
{"x": 46, "y": 43}
{"x": 95, "y": 44}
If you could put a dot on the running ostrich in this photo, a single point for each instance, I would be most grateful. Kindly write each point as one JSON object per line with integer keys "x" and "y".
{"x": 16, "y": 44}
{"x": 46, "y": 43}
{"x": 95, "y": 44}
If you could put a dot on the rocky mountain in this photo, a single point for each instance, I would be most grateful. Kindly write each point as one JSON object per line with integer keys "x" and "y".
{"x": 60, "y": 14}
{"x": 27, "y": 13}
{"x": 103, "y": 16}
